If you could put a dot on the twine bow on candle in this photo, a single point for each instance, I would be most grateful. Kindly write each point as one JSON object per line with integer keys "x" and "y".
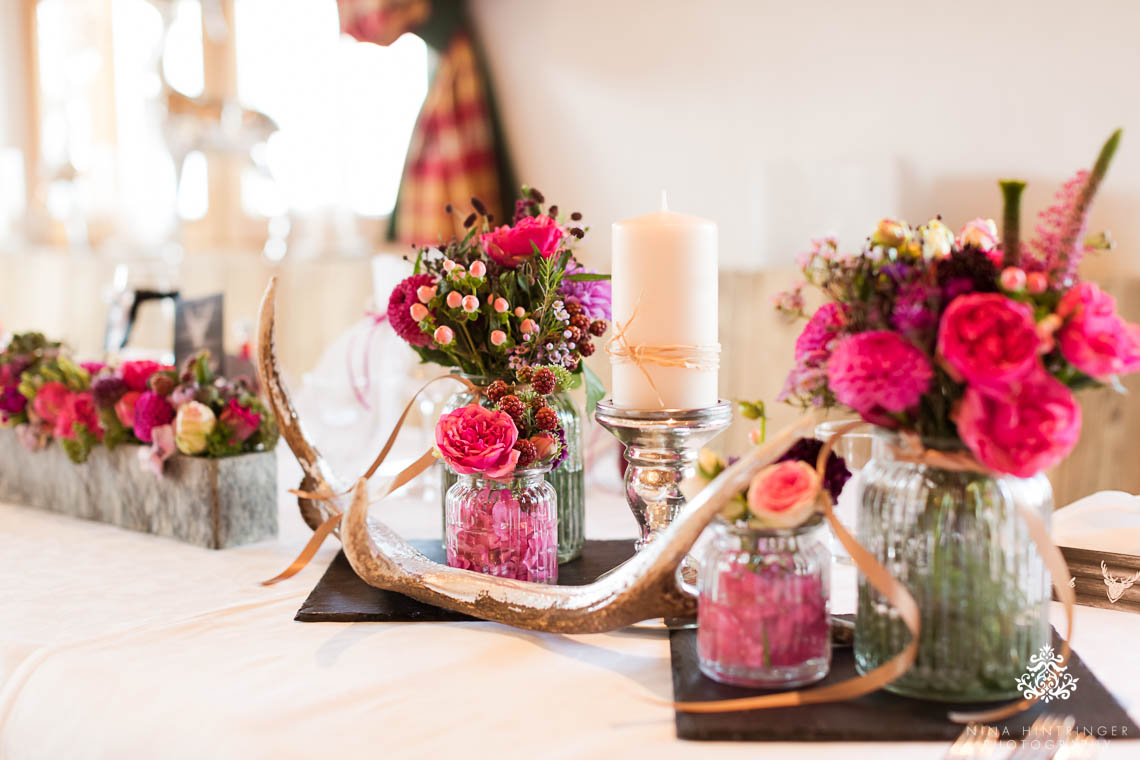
{"x": 704, "y": 358}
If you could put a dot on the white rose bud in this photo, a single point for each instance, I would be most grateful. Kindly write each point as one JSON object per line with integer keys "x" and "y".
{"x": 937, "y": 240}
{"x": 193, "y": 423}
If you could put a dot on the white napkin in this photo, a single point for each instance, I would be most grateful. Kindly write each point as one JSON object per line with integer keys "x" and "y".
{"x": 1107, "y": 521}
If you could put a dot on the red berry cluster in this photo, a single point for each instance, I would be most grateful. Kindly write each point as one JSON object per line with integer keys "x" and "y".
{"x": 581, "y": 328}
{"x": 496, "y": 390}
{"x": 543, "y": 381}
{"x": 546, "y": 418}
{"x": 527, "y": 452}
{"x": 514, "y": 407}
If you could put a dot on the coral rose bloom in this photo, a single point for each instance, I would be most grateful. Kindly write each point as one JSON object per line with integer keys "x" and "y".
{"x": 784, "y": 495}
{"x": 989, "y": 341}
{"x": 1022, "y": 433}
{"x": 478, "y": 441}
{"x": 511, "y": 246}
{"x": 1095, "y": 339}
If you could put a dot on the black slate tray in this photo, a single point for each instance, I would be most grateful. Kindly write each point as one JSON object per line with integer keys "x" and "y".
{"x": 880, "y": 716}
{"x": 341, "y": 597}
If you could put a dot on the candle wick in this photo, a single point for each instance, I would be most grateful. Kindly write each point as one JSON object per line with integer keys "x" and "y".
{"x": 664, "y": 202}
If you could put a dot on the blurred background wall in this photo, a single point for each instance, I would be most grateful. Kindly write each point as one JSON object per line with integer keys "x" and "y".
{"x": 207, "y": 144}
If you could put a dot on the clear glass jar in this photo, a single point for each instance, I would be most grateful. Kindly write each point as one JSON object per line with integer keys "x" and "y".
{"x": 506, "y": 528}
{"x": 763, "y": 618}
{"x": 956, "y": 541}
{"x": 568, "y": 479}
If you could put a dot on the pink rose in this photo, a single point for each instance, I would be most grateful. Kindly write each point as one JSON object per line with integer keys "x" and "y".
{"x": 989, "y": 341}
{"x": 1094, "y": 338}
{"x": 878, "y": 373}
{"x": 242, "y": 422}
{"x": 1021, "y": 433}
{"x": 784, "y": 495}
{"x": 478, "y": 441}
{"x": 125, "y": 408}
{"x": 50, "y": 400}
{"x": 545, "y": 445}
{"x": 79, "y": 408}
{"x": 511, "y": 246}
{"x": 136, "y": 374}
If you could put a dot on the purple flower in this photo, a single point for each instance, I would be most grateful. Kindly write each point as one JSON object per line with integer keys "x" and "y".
{"x": 835, "y": 475}
{"x": 594, "y": 296}
{"x": 912, "y": 310}
{"x": 12, "y": 402}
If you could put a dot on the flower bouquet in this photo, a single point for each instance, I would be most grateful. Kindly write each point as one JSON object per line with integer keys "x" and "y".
{"x": 501, "y": 517}
{"x": 209, "y": 496}
{"x": 46, "y": 395}
{"x": 965, "y": 350}
{"x": 504, "y": 300}
{"x": 764, "y": 581}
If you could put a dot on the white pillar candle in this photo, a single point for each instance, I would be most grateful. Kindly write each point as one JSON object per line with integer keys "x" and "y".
{"x": 664, "y": 278}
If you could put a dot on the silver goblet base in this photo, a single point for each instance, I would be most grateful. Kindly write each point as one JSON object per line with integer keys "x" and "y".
{"x": 661, "y": 447}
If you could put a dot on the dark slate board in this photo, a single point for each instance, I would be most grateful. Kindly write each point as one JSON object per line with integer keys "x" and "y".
{"x": 880, "y": 716}
{"x": 341, "y": 597}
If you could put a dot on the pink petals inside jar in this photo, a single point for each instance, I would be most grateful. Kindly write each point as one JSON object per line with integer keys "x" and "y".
{"x": 764, "y": 618}
{"x": 507, "y": 528}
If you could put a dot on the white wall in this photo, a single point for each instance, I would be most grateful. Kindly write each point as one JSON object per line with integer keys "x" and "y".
{"x": 783, "y": 120}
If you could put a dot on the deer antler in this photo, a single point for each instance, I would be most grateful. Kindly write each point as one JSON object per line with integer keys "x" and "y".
{"x": 643, "y": 588}
{"x": 319, "y": 476}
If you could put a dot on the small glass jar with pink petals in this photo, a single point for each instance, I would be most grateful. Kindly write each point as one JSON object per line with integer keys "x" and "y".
{"x": 763, "y": 619}
{"x": 507, "y": 528}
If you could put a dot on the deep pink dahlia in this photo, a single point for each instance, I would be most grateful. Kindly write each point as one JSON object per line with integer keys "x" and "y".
{"x": 399, "y": 309}
{"x": 878, "y": 372}
{"x": 151, "y": 410}
{"x": 820, "y": 331}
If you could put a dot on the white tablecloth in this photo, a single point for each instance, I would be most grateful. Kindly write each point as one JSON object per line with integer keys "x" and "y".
{"x": 120, "y": 645}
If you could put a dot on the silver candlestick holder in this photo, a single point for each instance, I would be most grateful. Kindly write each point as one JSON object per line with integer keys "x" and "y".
{"x": 661, "y": 447}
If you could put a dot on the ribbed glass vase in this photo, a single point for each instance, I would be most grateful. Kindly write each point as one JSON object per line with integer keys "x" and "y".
{"x": 956, "y": 541}
{"x": 568, "y": 479}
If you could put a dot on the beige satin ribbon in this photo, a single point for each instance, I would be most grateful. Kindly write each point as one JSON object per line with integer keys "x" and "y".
{"x": 883, "y": 582}
{"x": 673, "y": 355}
{"x": 901, "y": 599}
{"x": 410, "y": 472}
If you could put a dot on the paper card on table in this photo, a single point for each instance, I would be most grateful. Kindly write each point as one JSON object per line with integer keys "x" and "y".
{"x": 199, "y": 324}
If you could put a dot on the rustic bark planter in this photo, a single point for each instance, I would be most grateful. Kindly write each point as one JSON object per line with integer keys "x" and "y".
{"x": 215, "y": 503}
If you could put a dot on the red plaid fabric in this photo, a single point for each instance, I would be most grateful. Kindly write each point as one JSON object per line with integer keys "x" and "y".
{"x": 452, "y": 156}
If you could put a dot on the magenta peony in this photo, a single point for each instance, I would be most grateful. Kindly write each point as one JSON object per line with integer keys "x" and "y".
{"x": 136, "y": 374}
{"x": 12, "y": 402}
{"x": 242, "y": 422}
{"x": 151, "y": 410}
{"x": 1021, "y": 433}
{"x": 511, "y": 246}
{"x": 78, "y": 408}
{"x": 399, "y": 309}
{"x": 785, "y": 494}
{"x": 820, "y": 333}
{"x": 989, "y": 341}
{"x": 1094, "y": 338}
{"x": 478, "y": 441}
{"x": 50, "y": 400}
{"x": 877, "y": 373}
